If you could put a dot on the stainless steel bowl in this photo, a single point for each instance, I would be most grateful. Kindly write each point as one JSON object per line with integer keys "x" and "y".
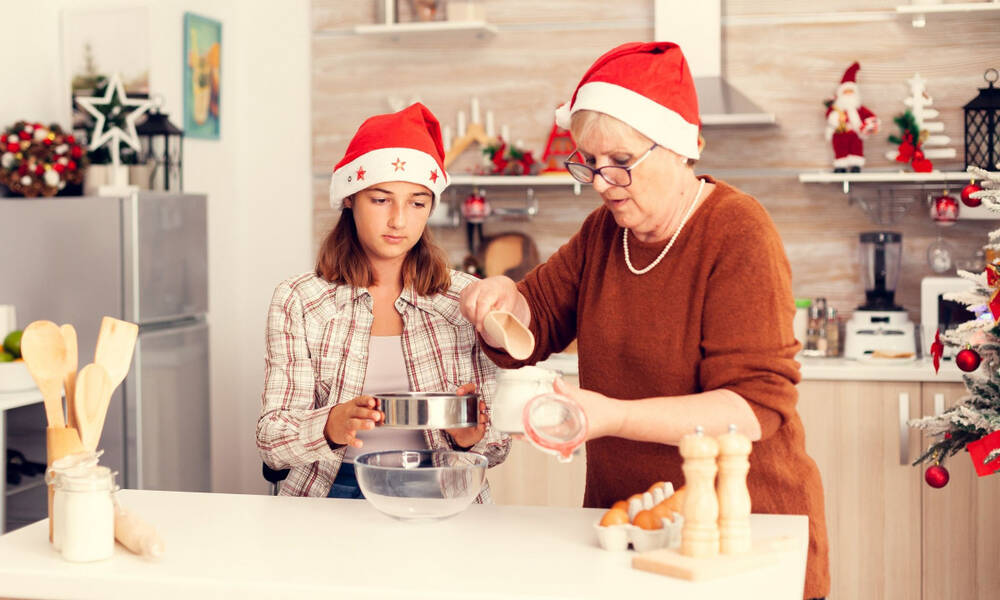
{"x": 428, "y": 410}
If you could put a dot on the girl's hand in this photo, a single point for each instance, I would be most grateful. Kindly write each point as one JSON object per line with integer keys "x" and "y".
{"x": 468, "y": 437}
{"x": 348, "y": 418}
{"x": 604, "y": 414}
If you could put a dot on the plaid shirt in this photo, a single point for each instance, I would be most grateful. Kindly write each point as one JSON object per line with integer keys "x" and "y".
{"x": 317, "y": 354}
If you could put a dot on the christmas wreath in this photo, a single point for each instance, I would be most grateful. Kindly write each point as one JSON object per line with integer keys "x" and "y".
{"x": 39, "y": 161}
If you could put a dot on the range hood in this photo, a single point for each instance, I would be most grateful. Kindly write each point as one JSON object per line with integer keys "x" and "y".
{"x": 697, "y": 28}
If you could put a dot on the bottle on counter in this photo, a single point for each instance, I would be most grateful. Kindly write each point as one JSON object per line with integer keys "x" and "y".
{"x": 800, "y": 324}
{"x": 832, "y": 332}
{"x": 816, "y": 342}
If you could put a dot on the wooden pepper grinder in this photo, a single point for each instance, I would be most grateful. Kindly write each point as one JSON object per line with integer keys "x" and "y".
{"x": 734, "y": 497}
{"x": 700, "y": 534}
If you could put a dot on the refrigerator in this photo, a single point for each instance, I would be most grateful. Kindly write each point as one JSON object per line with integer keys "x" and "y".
{"x": 141, "y": 258}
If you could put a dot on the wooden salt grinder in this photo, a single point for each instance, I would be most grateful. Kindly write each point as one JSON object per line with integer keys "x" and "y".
{"x": 734, "y": 497}
{"x": 700, "y": 534}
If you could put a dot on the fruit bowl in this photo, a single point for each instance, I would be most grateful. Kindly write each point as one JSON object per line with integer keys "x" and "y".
{"x": 14, "y": 377}
{"x": 420, "y": 484}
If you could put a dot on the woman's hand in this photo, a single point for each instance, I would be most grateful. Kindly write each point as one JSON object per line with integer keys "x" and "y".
{"x": 604, "y": 415}
{"x": 348, "y": 418}
{"x": 493, "y": 293}
{"x": 467, "y": 437}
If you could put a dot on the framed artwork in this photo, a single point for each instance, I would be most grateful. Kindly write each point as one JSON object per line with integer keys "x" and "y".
{"x": 202, "y": 76}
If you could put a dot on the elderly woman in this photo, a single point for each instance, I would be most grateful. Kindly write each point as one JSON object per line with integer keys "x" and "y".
{"x": 678, "y": 291}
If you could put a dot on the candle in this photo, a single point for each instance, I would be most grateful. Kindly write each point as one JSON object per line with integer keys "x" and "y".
{"x": 460, "y": 130}
{"x": 475, "y": 111}
{"x": 489, "y": 124}
{"x": 505, "y": 132}
{"x": 446, "y": 136}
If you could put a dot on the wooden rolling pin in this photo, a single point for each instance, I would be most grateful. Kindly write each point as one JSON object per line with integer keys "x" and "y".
{"x": 137, "y": 535}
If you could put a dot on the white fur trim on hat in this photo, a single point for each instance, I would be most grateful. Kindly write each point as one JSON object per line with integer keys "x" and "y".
{"x": 387, "y": 164}
{"x": 657, "y": 122}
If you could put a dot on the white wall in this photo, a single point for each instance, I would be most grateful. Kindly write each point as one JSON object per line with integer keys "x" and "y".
{"x": 256, "y": 175}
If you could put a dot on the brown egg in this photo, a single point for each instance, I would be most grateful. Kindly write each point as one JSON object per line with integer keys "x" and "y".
{"x": 645, "y": 519}
{"x": 614, "y": 516}
{"x": 663, "y": 511}
{"x": 621, "y": 504}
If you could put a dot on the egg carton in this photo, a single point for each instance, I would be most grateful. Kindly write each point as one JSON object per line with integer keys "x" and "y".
{"x": 620, "y": 537}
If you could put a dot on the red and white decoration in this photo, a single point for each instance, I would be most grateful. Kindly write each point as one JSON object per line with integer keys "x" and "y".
{"x": 661, "y": 103}
{"x": 933, "y": 145}
{"x": 847, "y": 122}
{"x": 400, "y": 146}
{"x": 944, "y": 209}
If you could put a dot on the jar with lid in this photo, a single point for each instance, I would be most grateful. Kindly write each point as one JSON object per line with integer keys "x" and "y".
{"x": 832, "y": 332}
{"x": 816, "y": 342}
{"x": 80, "y": 461}
{"x": 800, "y": 324}
{"x": 84, "y": 505}
{"x": 515, "y": 387}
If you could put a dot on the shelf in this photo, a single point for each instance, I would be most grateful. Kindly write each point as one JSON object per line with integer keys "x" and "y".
{"x": 27, "y": 483}
{"x": 889, "y": 177}
{"x": 920, "y": 11}
{"x": 516, "y": 180}
{"x": 478, "y": 29}
{"x": 9, "y": 400}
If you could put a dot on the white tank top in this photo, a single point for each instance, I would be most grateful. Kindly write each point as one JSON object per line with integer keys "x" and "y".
{"x": 386, "y": 372}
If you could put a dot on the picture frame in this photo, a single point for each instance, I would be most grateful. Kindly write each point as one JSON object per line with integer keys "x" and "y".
{"x": 202, "y": 77}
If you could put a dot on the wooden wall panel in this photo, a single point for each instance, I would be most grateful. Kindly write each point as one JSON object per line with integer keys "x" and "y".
{"x": 784, "y": 54}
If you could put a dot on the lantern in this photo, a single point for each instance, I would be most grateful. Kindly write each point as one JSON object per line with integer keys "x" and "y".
{"x": 162, "y": 148}
{"x": 982, "y": 126}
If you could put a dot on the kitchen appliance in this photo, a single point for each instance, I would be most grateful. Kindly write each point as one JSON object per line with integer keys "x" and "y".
{"x": 879, "y": 327}
{"x": 936, "y": 313}
{"x": 140, "y": 258}
{"x": 420, "y": 484}
{"x": 427, "y": 410}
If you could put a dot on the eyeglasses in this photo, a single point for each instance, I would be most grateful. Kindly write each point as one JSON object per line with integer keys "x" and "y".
{"x": 614, "y": 175}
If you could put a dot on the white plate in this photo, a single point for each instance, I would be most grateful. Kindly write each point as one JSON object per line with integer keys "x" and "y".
{"x": 14, "y": 377}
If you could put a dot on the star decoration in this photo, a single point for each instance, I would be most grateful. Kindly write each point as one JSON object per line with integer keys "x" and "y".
{"x": 361, "y": 173}
{"x": 116, "y": 100}
{"x": 400, "y": 165}
{"x": 434, "y": 176}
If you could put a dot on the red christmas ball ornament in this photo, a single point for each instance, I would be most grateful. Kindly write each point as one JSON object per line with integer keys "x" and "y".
{"x": 39, "y": 169}
{"x": 59, "y": 167}
{"x": 13, "y": 147}
{"x": 71, "y": 165}
{"x": 968, "y": 360}
{"x": 936, "y": 476}
{"x": 76, "y": 152}
{"x": 47, "y": 141}
{"x": 70, "y": 139}
{"x": 967, "y": 198}
{"x": 944, "y": 209}
{"x": 24, "y": 135}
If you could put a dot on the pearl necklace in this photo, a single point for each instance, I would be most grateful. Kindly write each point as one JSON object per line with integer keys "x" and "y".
{"x": 669, "y": 244}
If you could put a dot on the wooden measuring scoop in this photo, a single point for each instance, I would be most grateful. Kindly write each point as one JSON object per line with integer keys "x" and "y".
{"x": 517, "y": 339}
{"x": 69, "y": 379}
{"x": 115, "y": 344}
{"x": 44, "y": 351}
{"x": 93, "y": 394}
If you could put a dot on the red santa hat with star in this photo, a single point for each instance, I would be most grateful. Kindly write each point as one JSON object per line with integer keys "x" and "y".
{"x": 647, "y": 85}
{"x": 401, "y": 146}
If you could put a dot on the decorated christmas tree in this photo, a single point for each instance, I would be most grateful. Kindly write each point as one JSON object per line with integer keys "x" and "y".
{"x": 974, "y": 423}
{"x": 917, "y": 145}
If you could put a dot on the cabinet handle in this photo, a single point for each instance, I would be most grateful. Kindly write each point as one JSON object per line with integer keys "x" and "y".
{"x": 904, "y": 429}
{"x": 938, "y": 404}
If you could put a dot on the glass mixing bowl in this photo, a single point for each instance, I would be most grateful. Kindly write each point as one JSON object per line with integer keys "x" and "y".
{"x": 420, "y": 484}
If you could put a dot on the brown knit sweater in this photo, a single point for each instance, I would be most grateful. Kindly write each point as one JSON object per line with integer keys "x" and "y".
{"x": 715, "y": 313}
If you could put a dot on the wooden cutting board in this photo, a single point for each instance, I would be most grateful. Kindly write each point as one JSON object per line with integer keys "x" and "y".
{"x": 512, "y": 254}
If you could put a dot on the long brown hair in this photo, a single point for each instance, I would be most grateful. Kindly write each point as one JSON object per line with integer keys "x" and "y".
{"x": 343, "y": 260}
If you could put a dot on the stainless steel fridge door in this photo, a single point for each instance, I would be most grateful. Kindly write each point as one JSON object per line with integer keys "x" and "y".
{"x": 63, "y": 263}
{"x": 167, "y": 410}
{"x": 165, "y": 266}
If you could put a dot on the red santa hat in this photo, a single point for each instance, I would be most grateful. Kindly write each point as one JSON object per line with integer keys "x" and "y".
{"x": 850, "y": 78}
{"x": 647, "y": 86}
{"x": 401, "y": 146}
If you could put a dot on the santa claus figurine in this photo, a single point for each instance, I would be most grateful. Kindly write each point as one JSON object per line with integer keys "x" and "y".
{"x": 847, "y": 122}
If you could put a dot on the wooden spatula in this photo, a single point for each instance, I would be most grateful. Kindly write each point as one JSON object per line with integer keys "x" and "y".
{"x": 44, "y": 351}
{"x": 69, "y": 379}
{"x": 115, "y": 344}
{"x": 93, "y": 393}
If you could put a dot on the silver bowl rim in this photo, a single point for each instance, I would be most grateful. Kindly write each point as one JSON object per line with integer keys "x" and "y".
{"x": 424, "y": 396}
{"x": 481, "y": 462}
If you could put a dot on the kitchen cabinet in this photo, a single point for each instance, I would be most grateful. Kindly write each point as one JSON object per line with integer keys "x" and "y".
{"x": 22, "y": 428}
{"x": 891, "y": 535}
{"x": 961, "y": 524}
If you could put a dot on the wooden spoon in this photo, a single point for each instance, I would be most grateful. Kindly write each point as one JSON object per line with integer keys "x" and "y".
{"x": 517, "y": 339}
{"x": 115, "y": 345}
{"x": 69, "y": 379}
{"x": 93, "y": 393}
{"x": 44, "y": 351}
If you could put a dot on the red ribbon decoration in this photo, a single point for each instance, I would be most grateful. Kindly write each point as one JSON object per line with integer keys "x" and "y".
{"x": 937, "y": 350}
{"x": 980, "y": 449}
{"x": 992, "y": 275}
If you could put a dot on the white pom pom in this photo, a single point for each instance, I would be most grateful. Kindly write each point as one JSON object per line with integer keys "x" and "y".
{"x": 51, "y": 178}
{"x": 40, "y": 134}
{"x": 7, "y": 160}
{"x": 563, "y": 116}
{"x": 26, "y": 180}
{"x": 29, "y": 128}
{"x": 62, "y": 148}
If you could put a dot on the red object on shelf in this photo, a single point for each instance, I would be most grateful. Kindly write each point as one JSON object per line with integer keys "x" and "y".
{"x": 559, "y": 146}
{"x": 967, "y": 198}
{"x": 980, "y": 449}
{"x": 944, "y": 209}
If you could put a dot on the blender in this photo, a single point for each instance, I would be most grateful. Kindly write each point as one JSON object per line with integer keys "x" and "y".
{"x": 880, "y": 328}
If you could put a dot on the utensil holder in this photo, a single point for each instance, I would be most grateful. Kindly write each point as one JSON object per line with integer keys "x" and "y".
{"x": 59, "y": 442}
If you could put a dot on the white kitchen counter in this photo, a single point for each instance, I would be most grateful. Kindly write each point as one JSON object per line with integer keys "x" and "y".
{"x": 829, "y": 369}
{"x": 245, "y": 546}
